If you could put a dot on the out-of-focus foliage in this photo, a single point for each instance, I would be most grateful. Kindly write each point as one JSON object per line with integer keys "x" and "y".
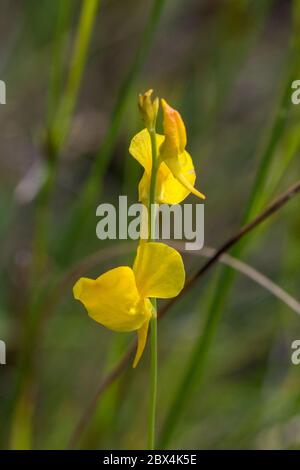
{"x": 224, "y": 68}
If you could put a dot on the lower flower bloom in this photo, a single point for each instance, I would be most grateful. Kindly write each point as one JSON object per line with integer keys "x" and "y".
{"x": 120, "y": 298}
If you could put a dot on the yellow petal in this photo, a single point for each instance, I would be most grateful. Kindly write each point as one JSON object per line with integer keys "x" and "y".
{"x": 173, "y": 153}
{"x": 175, "y": 166}
{"x": 144, "y": 188}
{"x": 140, "y": 149}
{"x": 169, "y": 189}
{"x": 188, "y": 186}
{"x": 174, "y": 128}
{"x": 142, "y": 338}
{"x": 159, "y": 271}
{"x": 113, "y": 299}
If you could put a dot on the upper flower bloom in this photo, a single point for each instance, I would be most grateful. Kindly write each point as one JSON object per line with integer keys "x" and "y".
{"x": 168, "y": 189}
{"x": 176, "y": 175}
{"x": 119, "y": 298}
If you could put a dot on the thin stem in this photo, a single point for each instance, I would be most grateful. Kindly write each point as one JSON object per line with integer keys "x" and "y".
{"x": 153, "y": 377}
{"x": 152, "y": 190}
{"x": 153, "y": 322}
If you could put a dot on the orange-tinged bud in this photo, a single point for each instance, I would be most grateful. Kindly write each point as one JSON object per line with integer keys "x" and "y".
{"x": 173, "y": 147}
{"x": 148, "y": 109}
{"x": 174, "y": 128}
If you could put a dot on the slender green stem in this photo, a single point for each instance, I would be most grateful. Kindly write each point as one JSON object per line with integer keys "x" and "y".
{"x": 152, "y": 190}
{"x": 153, "y": 377}
{"x": 153, "y": 322}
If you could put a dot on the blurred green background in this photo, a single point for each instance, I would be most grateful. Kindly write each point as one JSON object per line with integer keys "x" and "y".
{"x": 73, "y": 70}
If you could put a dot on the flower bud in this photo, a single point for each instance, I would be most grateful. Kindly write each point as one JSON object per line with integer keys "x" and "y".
{"x": 148, "y": 109}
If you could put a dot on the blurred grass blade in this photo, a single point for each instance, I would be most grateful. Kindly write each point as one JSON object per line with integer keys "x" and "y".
{"x": 87, "y": 197}
{"x": 40, "y": 238}
{"x": 262, "y": 280}
{"x": 197, "y": 361}
{"x": 57, "y": 65}
{"x": 21, "y": 434}
{"x": 289, "y": 148}
{"x": 59, "y": 127}
{"x": 62, "y": 119}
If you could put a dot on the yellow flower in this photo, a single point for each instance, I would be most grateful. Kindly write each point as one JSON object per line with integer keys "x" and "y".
{"x": 168, "y": 189}
{"x": 176, "y": 175}
{"x": 119, "y": 298}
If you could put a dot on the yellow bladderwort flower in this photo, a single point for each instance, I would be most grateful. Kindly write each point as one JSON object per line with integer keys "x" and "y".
{"x": 176, "y": 175}
{"x": 119, "y": 298}
{"x": 168, "y": 189}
